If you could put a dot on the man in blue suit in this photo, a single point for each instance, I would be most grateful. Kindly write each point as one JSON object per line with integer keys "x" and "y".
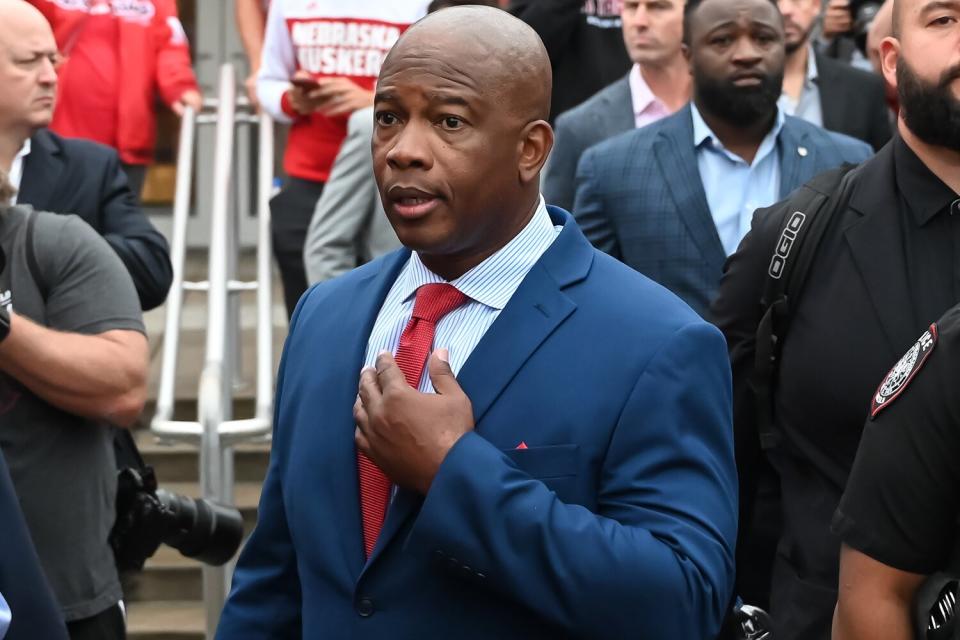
{"x": 561, "y": 464}
{"x": 674, "y": 199}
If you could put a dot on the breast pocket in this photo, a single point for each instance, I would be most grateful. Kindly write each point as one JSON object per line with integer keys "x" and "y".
{"x": 543, "y": 463}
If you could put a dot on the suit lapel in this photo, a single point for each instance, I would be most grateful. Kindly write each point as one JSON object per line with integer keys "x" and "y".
{"x": 796, "y": 158}
{"x": 876, "y": 246}
{"x": 537, "y": 308}
{"x": 677, "y": 159}
{"x": 41, "y": 172}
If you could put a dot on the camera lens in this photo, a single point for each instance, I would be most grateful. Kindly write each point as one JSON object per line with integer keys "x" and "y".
{"x": 201, "y": 529}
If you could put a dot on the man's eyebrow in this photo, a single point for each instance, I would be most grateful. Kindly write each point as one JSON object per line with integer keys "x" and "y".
{"x": 383, "y": 96}
{"x": 939, "y": 4}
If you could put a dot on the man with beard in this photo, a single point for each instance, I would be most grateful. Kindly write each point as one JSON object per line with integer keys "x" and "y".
{"x": 673, "y": 199}
{"x": 887, "y": 266}
{"x": 825, "y": 91}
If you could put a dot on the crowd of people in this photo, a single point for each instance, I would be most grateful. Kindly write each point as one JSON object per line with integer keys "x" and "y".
{"x": 608, "y": 318}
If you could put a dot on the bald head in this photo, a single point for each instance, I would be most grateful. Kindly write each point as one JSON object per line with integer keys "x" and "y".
{"x": 20, "y": 20}
{"x": 500, "y": 55}
{"x": 28, "y": 59}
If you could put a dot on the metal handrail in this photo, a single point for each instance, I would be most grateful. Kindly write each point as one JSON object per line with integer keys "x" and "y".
{"x": 215, "y": 432}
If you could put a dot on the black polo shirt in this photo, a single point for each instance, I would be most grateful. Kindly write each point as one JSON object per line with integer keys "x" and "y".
{"x": 931, "y": 235}
{"x": 902, "y": 500}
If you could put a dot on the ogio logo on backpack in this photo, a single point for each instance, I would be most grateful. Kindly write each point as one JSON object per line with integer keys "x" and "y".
{"x": 787, "y": 239}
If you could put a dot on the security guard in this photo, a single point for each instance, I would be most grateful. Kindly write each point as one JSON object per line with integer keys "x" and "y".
{"x": 898, "y": 515}
{"x": 886, "y": 267}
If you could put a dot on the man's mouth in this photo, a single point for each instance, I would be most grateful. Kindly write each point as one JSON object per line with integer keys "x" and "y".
{"x": 411, "y": 202}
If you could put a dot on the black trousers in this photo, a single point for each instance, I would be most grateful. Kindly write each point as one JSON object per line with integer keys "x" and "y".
{"x": 290, "y": 214}
{"x": 106, "y": 625}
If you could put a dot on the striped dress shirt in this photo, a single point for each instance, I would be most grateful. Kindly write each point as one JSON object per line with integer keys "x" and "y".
{"x": 489, "y": 286}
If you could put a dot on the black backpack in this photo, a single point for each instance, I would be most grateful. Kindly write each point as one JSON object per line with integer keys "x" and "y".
{"x": 812, "y": 207}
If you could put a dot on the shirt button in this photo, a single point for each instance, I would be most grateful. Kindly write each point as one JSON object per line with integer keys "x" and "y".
{"x": 365, "y": 607}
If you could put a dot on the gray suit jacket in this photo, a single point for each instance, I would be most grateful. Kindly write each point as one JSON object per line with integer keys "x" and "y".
{"x": 348, "y": 226}
{"x": 607, "y": 113}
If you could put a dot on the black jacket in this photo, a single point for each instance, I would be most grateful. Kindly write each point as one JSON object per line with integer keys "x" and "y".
{"x": 852, "y": 102}
{"x": 35, "y": 612}
{"x": 584, "y": 40}
{"x": 855, "y": 316}
{"x": 85, "y": 178}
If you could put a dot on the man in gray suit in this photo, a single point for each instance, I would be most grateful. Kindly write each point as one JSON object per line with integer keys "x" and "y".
{"x": 657, "y": 85}
{"x": 348, "y": 226}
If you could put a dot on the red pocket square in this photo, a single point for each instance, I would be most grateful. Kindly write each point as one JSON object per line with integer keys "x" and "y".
{"x": 522, "y": 445}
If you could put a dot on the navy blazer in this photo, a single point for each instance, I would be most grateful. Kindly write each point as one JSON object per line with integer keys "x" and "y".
{"x": 65, "y": 175}
{"x": 618, "y": 520}
{"x": 34, "y": 611}
{"x": 641, "y": 200}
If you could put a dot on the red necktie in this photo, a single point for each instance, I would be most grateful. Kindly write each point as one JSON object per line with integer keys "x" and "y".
{"x": 433, "y": 301}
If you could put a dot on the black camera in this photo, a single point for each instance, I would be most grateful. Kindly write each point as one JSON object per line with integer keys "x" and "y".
{"x": 148, "y": 517}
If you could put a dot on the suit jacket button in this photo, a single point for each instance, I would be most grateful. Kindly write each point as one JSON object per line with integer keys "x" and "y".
{"x": 365, "y": 607}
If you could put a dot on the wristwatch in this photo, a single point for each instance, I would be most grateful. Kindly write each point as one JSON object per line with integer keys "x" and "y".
{"x": 4, "y": 323}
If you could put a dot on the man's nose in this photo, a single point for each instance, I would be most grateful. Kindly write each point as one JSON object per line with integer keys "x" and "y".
{"x": 410, "y": 148}
{"x": 746, "y": 53}
{"x": 48, "y": 72}
{"x": 641, "y": 19}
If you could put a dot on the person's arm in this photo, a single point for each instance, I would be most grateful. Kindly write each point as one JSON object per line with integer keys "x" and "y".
{"x": 127, "y": 229}
{"x": 251, "y": 25}
{"x": 553, "y": 20}
{"x": 277, "y": 65}
{"x": 174, "y": 72}
{"x": 654, "y": 559}
{"x": 348, "y": 201}
{"x": 875, "y": 600}
{"x": 100, "y": 376}
{"x": 559, "y": 187}
{"x": 588, "y": 206}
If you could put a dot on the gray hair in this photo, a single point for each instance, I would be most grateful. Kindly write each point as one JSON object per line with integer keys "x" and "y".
{"x": 7, "y": 190}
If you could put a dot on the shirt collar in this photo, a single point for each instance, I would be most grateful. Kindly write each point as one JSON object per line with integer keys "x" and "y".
{"x": 24, "y": 150}
{"x": 702, "y": 134}
{"x": 640, "y": 92}
{"x": 925, "y": 194}
{"x": 812, "y": 72}
{"x": 493, "y": 281}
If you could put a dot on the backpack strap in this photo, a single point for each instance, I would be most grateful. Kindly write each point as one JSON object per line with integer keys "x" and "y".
{"x": 812, "y": 208}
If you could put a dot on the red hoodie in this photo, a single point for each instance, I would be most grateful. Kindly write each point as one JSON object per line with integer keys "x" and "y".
{"x": 119, "y": 54}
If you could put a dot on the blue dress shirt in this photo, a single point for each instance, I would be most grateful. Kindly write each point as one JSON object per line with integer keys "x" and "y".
{"x": 735, "y": 189}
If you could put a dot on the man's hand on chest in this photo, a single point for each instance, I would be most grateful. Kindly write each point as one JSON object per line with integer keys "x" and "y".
{"x": 407, "y": 433}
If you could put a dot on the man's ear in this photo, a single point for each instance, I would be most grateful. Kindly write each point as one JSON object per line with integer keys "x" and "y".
{"x": 536, "y": 141}
{"x": 889, "y": 57}
{"x": 685, "y": 50}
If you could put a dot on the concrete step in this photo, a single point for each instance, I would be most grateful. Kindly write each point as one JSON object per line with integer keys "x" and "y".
{"x": 180, "y": 462}
{"x": 165, "y": 620}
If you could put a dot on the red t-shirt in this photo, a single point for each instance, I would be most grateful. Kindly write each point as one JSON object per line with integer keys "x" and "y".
{"x": 89, "y": 88}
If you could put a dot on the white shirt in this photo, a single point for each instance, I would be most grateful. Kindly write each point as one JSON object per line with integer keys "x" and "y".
{"x": 16, "y": 169}
{"x": 489, "y": 285}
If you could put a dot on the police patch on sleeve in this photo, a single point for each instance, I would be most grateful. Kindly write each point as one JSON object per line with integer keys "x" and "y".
{"x": 904, "y": 371}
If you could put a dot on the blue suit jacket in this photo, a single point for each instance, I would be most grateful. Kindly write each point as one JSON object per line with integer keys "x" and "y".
{"x": 35, "y": 612}
{"x": 618, "y": 520}
{"x": 640, "y": 198}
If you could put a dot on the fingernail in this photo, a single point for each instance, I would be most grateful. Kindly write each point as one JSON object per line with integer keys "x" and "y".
{"x": 444, "y": 355}
{"x": 383, "y": 353}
